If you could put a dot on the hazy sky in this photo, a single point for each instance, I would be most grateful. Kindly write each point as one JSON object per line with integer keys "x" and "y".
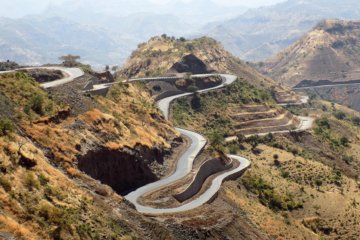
{"x": 18, "y": 8}
{"x": 248, "y": 3}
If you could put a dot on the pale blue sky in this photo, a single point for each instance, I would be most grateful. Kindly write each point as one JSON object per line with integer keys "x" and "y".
{"x": 248, "y": 3}
{"x": 18, "y": 8}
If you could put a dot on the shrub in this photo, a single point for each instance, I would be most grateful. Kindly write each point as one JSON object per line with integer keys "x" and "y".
{"x": 233, "y": 149}
{"x": 50, "y": 213}
{"x": 5, "y": 184}
{"x": 36, "y": 104}
{"x": 267, "y": 195}
{"x": 31, "y": 182}
{"x": 344, "y": 141}
{"x": 6, "y": 126}
{"x": 192, "y": 88}
{"x": 323, "y": 123}
{"x": 285, "y": 174}
{"x": 356, "y": 121}
{"x": 217, "y": 140}
{"x": 43, "y": 179}
{"x": 196, "y": 102}
{"x": 340, "y": 115}
{"x": 318, "y": 183}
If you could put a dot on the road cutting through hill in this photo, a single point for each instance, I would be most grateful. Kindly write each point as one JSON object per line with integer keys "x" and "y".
{"x": 70, "y": 74}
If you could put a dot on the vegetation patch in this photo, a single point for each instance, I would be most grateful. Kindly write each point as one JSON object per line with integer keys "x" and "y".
{"x": 209, "y": 112}
{"x": 268, "y": 196}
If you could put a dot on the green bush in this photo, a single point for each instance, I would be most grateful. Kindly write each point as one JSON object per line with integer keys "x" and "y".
{"x": 43, "y": 179}
{"x": 323, "y": 123}
{"x": 36, "y": 104}
{"x": 192, "y": 88}
{"x": 356, "y": 121}
{"x": 267, "y": 195}
{"x": 6, "y": 126}
{"x": 344, "y": 141}
{"x": 340, "y": 115}
{"x": 31, "y": 182}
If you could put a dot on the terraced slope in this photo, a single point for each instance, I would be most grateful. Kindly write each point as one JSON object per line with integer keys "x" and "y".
{"x": 261, "y": 119}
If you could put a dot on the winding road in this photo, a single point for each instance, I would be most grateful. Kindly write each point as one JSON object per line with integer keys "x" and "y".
{"x": 70, "y": 75}
{"x": 335, "y": 84}
{"x": 185, "y": 162}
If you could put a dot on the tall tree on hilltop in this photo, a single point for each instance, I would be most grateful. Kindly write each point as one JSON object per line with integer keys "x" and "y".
{"x": 69, "y": 60}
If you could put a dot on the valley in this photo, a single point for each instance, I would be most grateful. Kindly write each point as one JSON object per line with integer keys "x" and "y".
{"x": 180, "y": 139}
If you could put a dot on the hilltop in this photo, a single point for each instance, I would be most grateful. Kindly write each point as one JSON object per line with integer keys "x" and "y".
{"x": 328, "y": 52}
{"x": 167, "y": 56}
{"x": 282, "y": 195}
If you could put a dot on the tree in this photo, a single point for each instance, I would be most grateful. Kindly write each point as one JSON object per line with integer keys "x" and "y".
{"x": 276, "y": 160}
{"x": 196, "y": 102}
{"x": 192, "y": 88}
{"x": 356, "y": 121}
{"x": 114, "y": 68}
{"x": 107, "y": 68}
{"x": 340, "y": 115}
{"x": 69, "y": 60}
{"x": 217, "y": 140}
{"x": 344, "y": 141}
{"x": 6, "y": 126}
{"x": 318, "y": 183}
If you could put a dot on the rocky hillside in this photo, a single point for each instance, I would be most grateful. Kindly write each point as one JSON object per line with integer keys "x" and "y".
{"x": 302, "y": 185}
{"x": 52, "y": 142}
{"x": 168, "y": 56}
{"x": 259, "y": 33}
{"x": 328, "y": 52}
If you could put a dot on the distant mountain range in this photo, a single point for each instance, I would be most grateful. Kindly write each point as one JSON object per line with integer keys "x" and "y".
{"x": 107, "y": 32}
{"x": 101, "y": 32}
{"x": 260, "y": 33}
{"x": 35, "y": 40}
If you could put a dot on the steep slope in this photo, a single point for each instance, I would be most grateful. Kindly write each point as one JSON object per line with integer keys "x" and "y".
{"x": 259, "y": 33}
{"x": 302, "y": 185}
{"x": 45, "y": 144}
{"x": 161, "y": 56}
{"x": 329, "y": 52}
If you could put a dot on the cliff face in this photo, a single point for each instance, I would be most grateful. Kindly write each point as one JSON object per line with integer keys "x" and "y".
{"x": 328, "y": 52}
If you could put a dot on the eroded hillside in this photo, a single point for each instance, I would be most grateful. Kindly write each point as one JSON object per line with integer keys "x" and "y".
{"x": 328, "y": 52}
{"x": 168, "y": 56}
{"x": 301, "y": 184}
{"x": 48, "y": 138}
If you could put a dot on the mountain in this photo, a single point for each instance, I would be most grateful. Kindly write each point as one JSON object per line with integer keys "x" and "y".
{"x": 101, "y": 32}
{"x": 68, "y": 158}
{"x": 260, "y": 33}
{"x": 293, "y": 177}
{"x": 328, "y": 52}
{"x": 160, "y": 55}
{"x": 35, "y": 40}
